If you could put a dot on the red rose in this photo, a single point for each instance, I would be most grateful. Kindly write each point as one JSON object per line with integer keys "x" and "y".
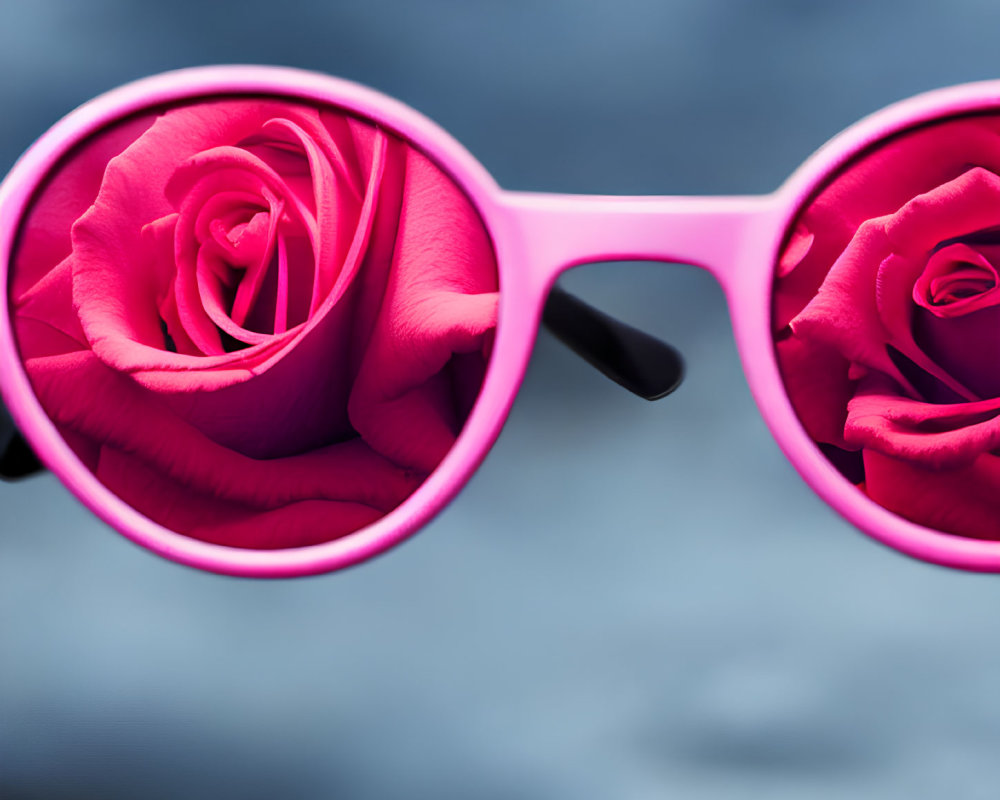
{"x": 260, "y": 323}
{"x": 888, "y": 324}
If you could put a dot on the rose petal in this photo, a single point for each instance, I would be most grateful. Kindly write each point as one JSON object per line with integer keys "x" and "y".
{"x": 818, "y": 384}
{"x": 45, "y": 232}
{"x": 844, "y": 314}
{"x": 961, "y": 501}
{"x": 213, "y": 519}
{"x": 332, "y": 213}
{"x": 965, "y": 205}
{"x": 48, "y": 305}
{"x": 124, "y": 417}
{"x": 934, "y": 435}
{"x": 440, "y": 299}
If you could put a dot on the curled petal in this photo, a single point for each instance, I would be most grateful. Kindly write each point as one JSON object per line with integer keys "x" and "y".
{"x": 935, "y": 436}
{"x": 844, "y": 314}
{"x": 424, "y": 318}
{"x": 958, "y": 280}
{"x": 963, "y": 206}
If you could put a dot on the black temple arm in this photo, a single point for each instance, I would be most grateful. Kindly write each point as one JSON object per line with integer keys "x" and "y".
{"x": 17, "y": 460}
{"x": 645, "y": 366}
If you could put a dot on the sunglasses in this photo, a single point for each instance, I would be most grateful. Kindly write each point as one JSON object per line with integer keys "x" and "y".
{"x": 267, "y": 322}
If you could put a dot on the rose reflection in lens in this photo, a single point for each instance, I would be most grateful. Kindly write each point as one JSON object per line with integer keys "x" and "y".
{"x": 259, "y": 322}
{"x": 886, "y": 320}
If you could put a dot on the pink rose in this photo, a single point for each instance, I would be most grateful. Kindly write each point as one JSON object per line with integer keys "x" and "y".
{"x": 887, "y": 324}
{"x": 260, "y": 323}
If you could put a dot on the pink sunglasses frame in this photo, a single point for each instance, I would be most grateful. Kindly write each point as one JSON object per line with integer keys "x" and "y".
{"x": 536, "y": 237}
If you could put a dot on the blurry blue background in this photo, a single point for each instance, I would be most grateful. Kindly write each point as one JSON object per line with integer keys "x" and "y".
{"x": 629, "y": 600}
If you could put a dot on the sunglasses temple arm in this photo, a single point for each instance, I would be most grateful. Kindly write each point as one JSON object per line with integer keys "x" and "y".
{"x": 17, "y": 459}
{"x": 635, "y": 360}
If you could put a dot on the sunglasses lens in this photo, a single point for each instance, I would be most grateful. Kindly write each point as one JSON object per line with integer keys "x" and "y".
{"x": 260, "y": 322}
{"x": 886, "y": 318}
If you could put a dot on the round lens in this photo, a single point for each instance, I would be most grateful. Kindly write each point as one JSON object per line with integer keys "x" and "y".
{"x": 886, "y": 322}
{"x": 259, "y": 321}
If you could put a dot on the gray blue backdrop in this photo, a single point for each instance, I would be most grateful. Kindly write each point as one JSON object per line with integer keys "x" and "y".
{"x": 630, "y": 600}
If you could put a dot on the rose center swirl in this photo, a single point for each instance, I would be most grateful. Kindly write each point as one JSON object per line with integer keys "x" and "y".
{"x": 254, "y": 266}
{"x": 245, "y": 241}
{"x": 958, "y": 279}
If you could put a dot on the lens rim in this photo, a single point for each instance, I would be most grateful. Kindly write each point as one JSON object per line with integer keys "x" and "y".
{"x": 519, "y": 309}
{"x": 751, "y": 308}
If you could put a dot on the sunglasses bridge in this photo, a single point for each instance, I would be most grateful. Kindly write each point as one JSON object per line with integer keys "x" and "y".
{"x": 569, "y": 230}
